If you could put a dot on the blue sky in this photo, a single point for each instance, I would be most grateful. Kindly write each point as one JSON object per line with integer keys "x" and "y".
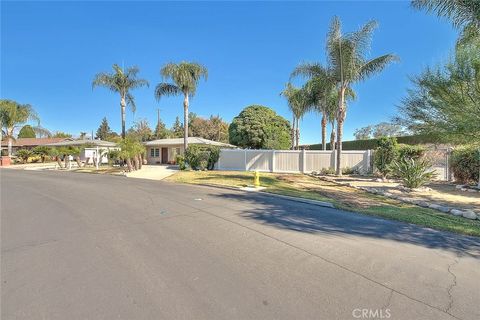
{"x": 50, "y": 52}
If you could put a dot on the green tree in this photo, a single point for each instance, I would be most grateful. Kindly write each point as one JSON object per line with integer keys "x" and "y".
{"x": 259, "y": 127}
{"x": 348, "y": 63}
{"x": 122, "y": 82}
{"x": 363, "y": 133}
{"x": 385, "y": 129}
{"x": 61, "y": 134}
{"x": 298, "y": 104}
{"x": 103, "y": 131}
{"x": 26, "y": 132}
{"x": 177, "y": 128}
{"x": 185, "y": 77}
{"x": 213, "y": 128}
{"x": 83, "y": 135}
{"x": 161, "y": 131}
{"x": 141, "y": 129}
{"x": 445, "y": 101}
{"x": 13, "y": 115}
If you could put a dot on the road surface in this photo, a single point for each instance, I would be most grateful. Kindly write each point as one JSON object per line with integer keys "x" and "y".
{"x": 85, "y": 246}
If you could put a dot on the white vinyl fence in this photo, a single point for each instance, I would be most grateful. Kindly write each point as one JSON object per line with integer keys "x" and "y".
{"x": 303, "y": 161}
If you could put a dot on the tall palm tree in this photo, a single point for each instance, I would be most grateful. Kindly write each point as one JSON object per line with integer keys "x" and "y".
{"x": 348, "y": 63}
{"x": 121, "y": 81}
{"x": 185, "y": 77}
{"x": 14, "y": 115}
{"x": 319, "y": 90}
{"x": 298, "y": 104}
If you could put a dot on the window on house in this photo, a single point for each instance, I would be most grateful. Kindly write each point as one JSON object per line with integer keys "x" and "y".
{"x": 157, "y": 152}
{"x": 152, "y": 152}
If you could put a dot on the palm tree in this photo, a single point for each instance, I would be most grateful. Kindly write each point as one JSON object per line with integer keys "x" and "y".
{"x": 298, "y": 104}
{"x": 349, "y": 65}
{"x": 121, "y": 81}
{"x": 319, "y": 90}
{"x": 185, "y": 77}
{"x": 14, "y": 115}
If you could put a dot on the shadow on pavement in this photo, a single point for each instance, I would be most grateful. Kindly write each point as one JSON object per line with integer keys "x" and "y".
{"x": 313, "y": 219}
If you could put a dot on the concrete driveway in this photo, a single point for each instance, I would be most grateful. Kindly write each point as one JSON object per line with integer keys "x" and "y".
{"x": 153, "y": 172}
{"x": 79, "y": 246}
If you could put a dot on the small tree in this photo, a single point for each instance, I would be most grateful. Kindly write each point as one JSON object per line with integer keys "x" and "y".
{"x": 385, "y": 154}
{"x": 103, "y": 131}
{"x": 26, "y": 132}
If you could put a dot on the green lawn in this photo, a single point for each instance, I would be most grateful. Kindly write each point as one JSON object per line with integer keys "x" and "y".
{"x": 341, "y": 197}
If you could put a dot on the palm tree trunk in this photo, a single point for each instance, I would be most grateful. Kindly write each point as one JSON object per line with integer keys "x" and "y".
{"x": 185, "y": 122}
{"x": 293, "y": 133}
{"x": 79, "y": 163}
{"x": 332, "y": 137}
{"x": 129, "y": 164}
{"x": 298, "y": 135}
{"x": 324, "y": 131}
{"x": 340, "y": 120}
{"x": 10, "y": 145}
{"x": 123, "y": 105}
{"x": 59, "y": 162}
{"x": 135, "y": 162}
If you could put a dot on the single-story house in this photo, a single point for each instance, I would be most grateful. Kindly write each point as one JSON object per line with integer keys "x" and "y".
{"x": 30, "y": 143}
{"x": 93, "y": 148}
{"x": 165, "y": 151}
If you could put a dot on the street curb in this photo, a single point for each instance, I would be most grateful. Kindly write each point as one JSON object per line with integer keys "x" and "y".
{"x": 275, "y": 195}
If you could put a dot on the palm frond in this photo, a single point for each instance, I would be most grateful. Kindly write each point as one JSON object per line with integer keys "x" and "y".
{"x": 166, "y": 89}
{"x": 131, "y": 102}
{"x": 375, "y": 65}
{"x": 460, "y": 13}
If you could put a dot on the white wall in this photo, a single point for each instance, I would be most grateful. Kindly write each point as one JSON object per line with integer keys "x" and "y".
{"x": 291, "y": 160}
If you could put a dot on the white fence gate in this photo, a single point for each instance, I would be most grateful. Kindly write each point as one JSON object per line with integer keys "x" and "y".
{"x": 303, "y": 161}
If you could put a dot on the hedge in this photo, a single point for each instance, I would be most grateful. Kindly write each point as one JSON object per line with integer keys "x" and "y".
{"x": 373, "y": 143}
{"x": 465, "y": 164}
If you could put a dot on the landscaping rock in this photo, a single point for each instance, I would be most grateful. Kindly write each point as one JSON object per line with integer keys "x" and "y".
{"x": 423, "y": 204}
{"x": 459, "y": 186}
{"x": 471, "y": 190}
{"x": 439, "y": 207}
{"x": 456, "y": 212}
{"x": 469, "y": 214}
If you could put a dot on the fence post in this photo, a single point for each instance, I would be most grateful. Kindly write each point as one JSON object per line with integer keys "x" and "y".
{"x": 273, "y": 161}
{"x": 369, "y": 160}
{"x": 304, "y": 160}
{"x": 245, "y": 158}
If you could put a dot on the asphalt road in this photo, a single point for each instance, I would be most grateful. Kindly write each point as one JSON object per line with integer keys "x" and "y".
{"x": 82, "y": 246}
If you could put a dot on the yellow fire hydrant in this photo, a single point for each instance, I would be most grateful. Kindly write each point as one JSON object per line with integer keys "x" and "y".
{"x": 256, "y": 179}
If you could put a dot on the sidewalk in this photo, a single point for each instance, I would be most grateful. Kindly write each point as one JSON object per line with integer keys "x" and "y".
{"x": 153, "y": 172}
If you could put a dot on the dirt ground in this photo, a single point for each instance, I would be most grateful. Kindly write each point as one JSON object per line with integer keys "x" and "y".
{"x": 347, "y": 195}
{"x": 441, "y": 192}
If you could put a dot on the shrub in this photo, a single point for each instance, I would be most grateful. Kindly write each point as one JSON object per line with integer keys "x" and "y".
{"x": 385, "y": 154}
{"x": 348, "y": 170}
{"x": 180, "y": 160}
{"x": 413, "y": 173}
{"x": 406, "y": 151}
{"x": 325, "y": 171}
{"x": 202, "y": 157}
{"x": 465, "y": 164}
{"x": 24, "y": 154}
{"x": 42, "y": 151}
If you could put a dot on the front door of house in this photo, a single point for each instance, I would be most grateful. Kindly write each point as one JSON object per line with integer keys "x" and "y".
{"x": 164, "y": 155}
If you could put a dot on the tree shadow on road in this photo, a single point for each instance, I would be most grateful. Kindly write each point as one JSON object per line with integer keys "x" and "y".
{"x": 307, "y": 218}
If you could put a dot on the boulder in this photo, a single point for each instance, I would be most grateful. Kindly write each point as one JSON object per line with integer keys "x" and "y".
{"x": 456, "y": 212}
{"x": 469, "y": 214}
{"x": 439, "y": 207}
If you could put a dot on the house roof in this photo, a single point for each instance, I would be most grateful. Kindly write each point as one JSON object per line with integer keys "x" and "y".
{"x": 191, "y": 140}
{"x": 80, "y": 142}
{"x": 32, "y": 142}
